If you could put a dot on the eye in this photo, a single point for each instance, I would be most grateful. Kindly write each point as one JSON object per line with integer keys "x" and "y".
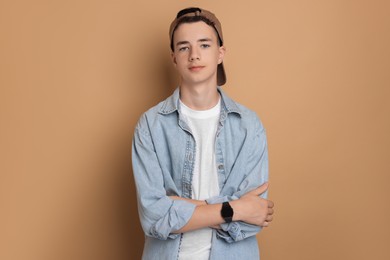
{"x": 205, "y": 46}
{"x": 183, "y": 48}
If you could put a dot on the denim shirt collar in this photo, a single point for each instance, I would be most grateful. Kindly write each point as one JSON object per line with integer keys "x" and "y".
{"x": 171, "y": 104}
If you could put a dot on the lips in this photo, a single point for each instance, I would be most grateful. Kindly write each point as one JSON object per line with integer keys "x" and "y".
{"x": 196, "y": 68}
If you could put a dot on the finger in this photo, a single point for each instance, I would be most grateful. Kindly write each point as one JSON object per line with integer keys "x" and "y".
{"x": 269, "y": 218}
{"x": 270, "y": 204}
{"x": 270, "y": 211}
{"x": 265, "y": 224}
{"x": 260, "y": 190}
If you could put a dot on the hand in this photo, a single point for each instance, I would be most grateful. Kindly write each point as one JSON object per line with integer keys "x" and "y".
{"x": 252, "y": 209}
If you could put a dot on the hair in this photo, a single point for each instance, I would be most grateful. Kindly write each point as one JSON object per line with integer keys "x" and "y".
{"x": 194, "y": 19}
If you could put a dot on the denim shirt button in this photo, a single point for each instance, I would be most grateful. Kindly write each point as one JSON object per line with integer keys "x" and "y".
{"x": 220, "y": 167}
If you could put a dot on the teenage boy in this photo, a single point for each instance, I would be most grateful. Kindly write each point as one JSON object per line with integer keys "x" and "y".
{"x": 200, "y": 159}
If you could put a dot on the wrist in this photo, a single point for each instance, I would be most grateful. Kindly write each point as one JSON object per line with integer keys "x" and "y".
{"x": 235, "y": 204}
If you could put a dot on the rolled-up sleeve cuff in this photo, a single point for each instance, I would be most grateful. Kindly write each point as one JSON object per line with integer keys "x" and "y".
{"x": 237, "y": 231}
{"x": 178, "y": 216}
{"x": 233, "y": 232}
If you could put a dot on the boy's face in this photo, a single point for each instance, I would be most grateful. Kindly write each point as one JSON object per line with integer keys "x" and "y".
{"x": 197, "y": 53}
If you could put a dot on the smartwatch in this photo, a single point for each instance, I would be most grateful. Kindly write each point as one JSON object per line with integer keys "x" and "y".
{"x": 227, "y": 212}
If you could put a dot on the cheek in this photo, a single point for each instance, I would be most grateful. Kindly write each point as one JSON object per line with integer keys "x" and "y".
{"x": 179, "y": 63}
{"x": 180, "y": 59}
{"x": 217, "y": 58}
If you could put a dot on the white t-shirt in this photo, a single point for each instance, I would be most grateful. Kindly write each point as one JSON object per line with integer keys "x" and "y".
{"x": 203, "y": 124}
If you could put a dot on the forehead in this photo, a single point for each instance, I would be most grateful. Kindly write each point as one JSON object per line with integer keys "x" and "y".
{"x": 194, "y": 31}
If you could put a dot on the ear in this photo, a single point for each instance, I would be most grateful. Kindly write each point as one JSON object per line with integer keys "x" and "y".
{"x": 173, "y": 58}
{"x": 221, "y": 54}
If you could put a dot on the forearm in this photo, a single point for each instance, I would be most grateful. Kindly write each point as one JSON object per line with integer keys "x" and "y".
{"x": 203, "y": 216}
{"x": 209, "y": 215}
{"x": 250, "y": 214}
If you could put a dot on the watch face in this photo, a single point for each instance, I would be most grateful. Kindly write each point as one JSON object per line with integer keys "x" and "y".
{"x": 227, "y": 212}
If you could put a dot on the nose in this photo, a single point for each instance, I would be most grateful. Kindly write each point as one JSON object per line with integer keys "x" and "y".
{"x": 194, "y": 54}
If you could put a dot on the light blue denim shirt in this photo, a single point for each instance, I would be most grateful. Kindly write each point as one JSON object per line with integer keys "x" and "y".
{"x": 163, "y": 156}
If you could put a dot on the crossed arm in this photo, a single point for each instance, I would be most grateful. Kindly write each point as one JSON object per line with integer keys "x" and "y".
{"x": 250, "y": 208}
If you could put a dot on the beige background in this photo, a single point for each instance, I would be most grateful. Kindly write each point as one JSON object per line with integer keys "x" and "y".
{"x": 76, "y": 75}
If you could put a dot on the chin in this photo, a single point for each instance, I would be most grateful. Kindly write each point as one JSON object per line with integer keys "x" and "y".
{"x": 199, "y": 80}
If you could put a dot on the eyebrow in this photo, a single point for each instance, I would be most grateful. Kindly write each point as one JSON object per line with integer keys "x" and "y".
{"x": 187, "y": 42}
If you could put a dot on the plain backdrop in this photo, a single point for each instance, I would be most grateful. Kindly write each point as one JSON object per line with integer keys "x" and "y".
{"x": 76, "y": 75}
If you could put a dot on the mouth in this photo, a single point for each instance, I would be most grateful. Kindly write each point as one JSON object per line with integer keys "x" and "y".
{"x": 196, "y": 68}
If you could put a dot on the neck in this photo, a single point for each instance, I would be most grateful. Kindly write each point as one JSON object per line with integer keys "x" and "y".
{"x": 199, "y": 97}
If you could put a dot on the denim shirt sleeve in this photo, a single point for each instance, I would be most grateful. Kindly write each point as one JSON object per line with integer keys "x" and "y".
{"x": 257, "y": 173}
{"x": 159, "y": 214}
